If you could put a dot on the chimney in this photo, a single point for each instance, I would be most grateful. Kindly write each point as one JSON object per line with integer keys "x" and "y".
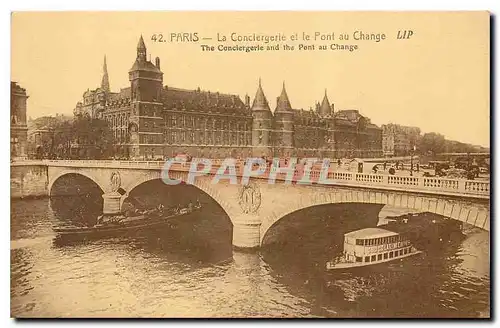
{"x": 247, "y": 100}
{"x": 157, "y": 62}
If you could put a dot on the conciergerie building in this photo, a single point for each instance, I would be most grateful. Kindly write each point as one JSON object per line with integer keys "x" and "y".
{"x": 152, "y": 121}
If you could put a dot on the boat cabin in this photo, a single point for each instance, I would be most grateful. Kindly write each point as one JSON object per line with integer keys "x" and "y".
{"x": 375, "y": 244}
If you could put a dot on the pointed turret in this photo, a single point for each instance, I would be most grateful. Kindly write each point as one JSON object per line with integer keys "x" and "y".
{"x": 261, "y": 125}
{"x": 324, "y": 108}
{"x": 105, "y": 78}
{"x": 141, "y": 49}
{"x": 260, "y": 101}
{"x": 283, "y": 124}
{"x": 283, "y": 103}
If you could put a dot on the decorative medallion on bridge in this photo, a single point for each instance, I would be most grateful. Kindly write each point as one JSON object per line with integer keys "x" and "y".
{"x": 115, "y": 181}
{"x": 249, "y": 198}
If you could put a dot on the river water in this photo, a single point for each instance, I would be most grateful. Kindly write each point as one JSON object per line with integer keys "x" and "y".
{"x": 196, "y": 273}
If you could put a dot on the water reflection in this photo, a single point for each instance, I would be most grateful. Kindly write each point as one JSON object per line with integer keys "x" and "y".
{"x": 194, "y": 272}
{"x": 438, "y": 283}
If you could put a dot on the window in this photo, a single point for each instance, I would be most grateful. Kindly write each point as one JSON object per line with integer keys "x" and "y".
{"x": 409, "y": 249}
{"x": 391, "y": 255}
{"x": 359, "y": 242}
{"x": 374, "y": 257}
{"x": 386, "y": 255}
{"x": 367, "y": 259}
{"x": 359, "y": 259}
{"x": 379, "y": 257}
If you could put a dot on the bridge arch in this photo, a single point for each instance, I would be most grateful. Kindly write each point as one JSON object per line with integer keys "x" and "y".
{"x": 201, "y": 183}
{"x": 453, "y": 208}
{"x": 350, "y": 215}
{"x": 61, "y": 174}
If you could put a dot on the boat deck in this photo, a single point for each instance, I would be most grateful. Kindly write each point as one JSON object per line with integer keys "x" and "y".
{"x": 348, "y": 265}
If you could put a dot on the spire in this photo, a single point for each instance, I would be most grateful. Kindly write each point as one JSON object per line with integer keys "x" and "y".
{"x": 283, "y": 103}
{"x": 325, "y": 108}
{"x": 141, "y": 49}
{"x": 105, "y": 77}
{"x": 260, "y": 101}
{"x": 141, "y": 44}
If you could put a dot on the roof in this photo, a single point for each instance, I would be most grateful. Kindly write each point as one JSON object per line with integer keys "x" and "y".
{"x": 369, "y": 233}
{"x": 325, "y": 109}
{"x": 144, "y": 66}
{"x": 198, "y": 100}
{"x": 260, "y": 101}
{"x": 283, "y": 103}
{"x": 140, "y": 44}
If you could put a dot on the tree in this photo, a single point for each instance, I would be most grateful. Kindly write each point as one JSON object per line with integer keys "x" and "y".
{"x": 432, "y": 142}
{"x": 83, "y": 138}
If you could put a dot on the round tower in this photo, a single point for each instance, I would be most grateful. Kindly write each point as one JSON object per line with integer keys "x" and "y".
{"x": 326, "y": 111}
{"x": 283, "y": 125}
{"x": 261, "y": 125}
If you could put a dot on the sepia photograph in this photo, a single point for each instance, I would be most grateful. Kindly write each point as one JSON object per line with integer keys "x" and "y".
{"x": 230, "y": 164}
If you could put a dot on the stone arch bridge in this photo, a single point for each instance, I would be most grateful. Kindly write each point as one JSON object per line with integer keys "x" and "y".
{"x": 255, "y": 207}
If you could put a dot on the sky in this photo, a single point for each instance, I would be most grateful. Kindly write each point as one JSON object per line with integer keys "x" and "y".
{"x": 438, "y": 79}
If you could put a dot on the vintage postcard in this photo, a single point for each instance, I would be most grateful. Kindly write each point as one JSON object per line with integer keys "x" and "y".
{"x": 250, "y": 165}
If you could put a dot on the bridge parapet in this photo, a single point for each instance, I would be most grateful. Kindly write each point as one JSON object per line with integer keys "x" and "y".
{"x": 433, "y": 185}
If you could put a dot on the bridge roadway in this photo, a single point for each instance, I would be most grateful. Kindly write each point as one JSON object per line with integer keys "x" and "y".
{"x": 255, "y": 207}
{"x": 430, "y": 185}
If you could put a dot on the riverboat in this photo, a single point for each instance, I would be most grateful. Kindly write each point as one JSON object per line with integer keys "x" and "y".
{"x": 372, "y": 246}
{"x": 118, "y": 225}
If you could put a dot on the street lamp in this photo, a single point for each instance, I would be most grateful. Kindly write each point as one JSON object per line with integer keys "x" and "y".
{"x": 411, "y": 159}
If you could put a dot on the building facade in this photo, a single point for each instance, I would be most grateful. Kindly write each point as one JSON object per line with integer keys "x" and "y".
{"x": 18, "y": 125}
{"x": 151, "y": 121}
{"x": 398, "y": 140}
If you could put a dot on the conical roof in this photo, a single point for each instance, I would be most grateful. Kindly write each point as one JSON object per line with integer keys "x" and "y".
{"x": 324, "y": 108}
{"x": 260, "y": 101}
{"x": 283, "y": 103}
{"x": 141, "y": 45}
